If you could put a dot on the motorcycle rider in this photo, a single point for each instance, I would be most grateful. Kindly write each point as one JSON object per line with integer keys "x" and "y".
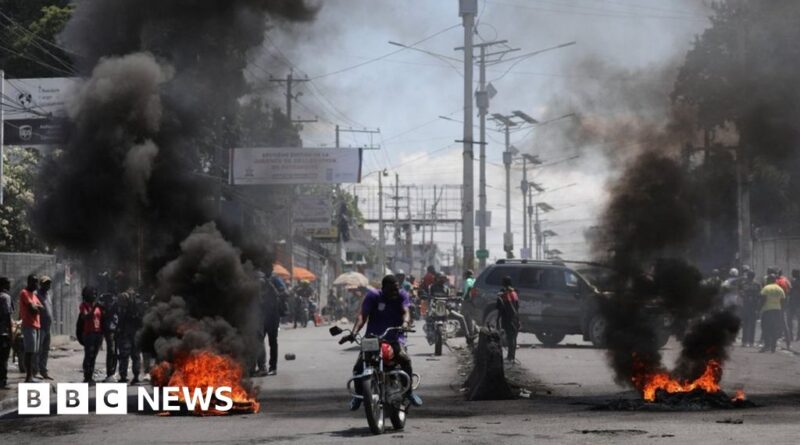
{"x": 304, "y": 294}
{"x": 440, "y": 286}
{"x": 383, "y": 309}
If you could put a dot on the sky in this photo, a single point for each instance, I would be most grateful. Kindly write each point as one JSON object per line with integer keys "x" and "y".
{"x": 359, "y": 80}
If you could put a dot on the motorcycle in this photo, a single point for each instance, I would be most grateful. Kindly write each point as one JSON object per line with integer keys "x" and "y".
{"x": 383, "y": 384}
{"x": 443, "y": 321}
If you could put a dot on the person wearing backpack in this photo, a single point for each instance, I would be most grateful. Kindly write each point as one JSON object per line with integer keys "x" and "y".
{"x": 508, "y": 316}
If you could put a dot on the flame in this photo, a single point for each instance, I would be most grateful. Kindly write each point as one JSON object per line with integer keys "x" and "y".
{"x": 650, "y": 382}
{"x": 739, "y": 396}
{"x": 204, "y": 369}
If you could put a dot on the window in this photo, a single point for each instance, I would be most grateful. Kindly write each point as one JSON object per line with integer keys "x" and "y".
{"x": 531, "y": 278}
{"x": 572, "y": 279}
{"x": 495, "y": 277}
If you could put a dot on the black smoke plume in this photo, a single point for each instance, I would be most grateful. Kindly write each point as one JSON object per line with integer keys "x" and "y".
{"x": 138, "y": 184}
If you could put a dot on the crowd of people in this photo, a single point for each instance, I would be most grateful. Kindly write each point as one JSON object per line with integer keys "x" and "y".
{"x": 773, "y": 298}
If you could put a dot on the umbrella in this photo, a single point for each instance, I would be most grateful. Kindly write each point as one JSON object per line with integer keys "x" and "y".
{"x": 351, "y": 280}
{"x": 298, "y": 273}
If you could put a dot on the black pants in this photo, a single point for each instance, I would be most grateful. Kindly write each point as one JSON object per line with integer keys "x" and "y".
{"x": 772, "y": 328}
{"x": 5, "y": 349}
{"x": 91, "y": 346}
{"x": 749, "y": 317}
{"x": 128, "y": 350}
{"x": 792, "y": 313}
{"x": 511, "y": 340}
{"x": 111, "y": 353}
{"x": 271, "y": 335}
{"x": 400, "y": 357}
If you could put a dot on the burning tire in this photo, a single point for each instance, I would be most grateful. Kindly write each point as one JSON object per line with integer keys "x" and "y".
{"x": 373, "y": 406}
{"x": 596, "y": 330}
{"x": 550, "y": 338}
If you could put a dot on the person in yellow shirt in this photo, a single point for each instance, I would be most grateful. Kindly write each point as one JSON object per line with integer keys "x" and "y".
{"x": 771, "y": 313}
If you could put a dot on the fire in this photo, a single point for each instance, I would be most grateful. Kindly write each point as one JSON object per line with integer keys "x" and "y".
{"x": 649, "y": 383}
{"x": 204, "y": 369}
{"x": 739, "y": 395}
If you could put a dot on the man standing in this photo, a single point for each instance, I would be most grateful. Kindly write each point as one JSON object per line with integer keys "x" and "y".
{"x": 508, "y": 312}
{"x": 793, "y": 305}
{"x": 131, "y": 312}
{"x": 110, "y": 320}
{"x": 771, "y": 322}
{"x": 751, "y": 300}
{"x": 273, "y": 310}
{"x": 29, "y": 309}
{"x": 46, "y": 319}
{"x": 5, "y": 330}
{"x": 91, "y": 317}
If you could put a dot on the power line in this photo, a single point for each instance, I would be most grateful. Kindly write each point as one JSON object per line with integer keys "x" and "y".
{"x": 359, "y": 65}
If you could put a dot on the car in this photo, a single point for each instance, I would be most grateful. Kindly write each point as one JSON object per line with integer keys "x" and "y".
{"x": 556, "y": 298}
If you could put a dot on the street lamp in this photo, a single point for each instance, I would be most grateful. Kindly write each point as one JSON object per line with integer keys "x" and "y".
{"x": 537, "y": 227}
{"x": 547, "y": 234}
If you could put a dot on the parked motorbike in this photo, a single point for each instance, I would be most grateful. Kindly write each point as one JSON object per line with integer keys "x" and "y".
{"x": 383, "y": 384}
{"x": 443, "y": 321}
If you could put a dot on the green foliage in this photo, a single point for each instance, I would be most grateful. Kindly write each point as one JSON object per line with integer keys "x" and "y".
{"x": 27, "y": 40}
{"x": 20, "y": 172}
{"x": 743, "y": 71}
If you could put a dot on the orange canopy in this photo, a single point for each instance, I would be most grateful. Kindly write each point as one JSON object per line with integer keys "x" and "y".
{"x": 299, "y": 273}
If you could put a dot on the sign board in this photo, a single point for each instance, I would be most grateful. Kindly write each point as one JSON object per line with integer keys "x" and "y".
{"x": 37, "y": 98}
{"x": 328, "y": 234}
{"x": 295, "y": 165}
{"x": 30, "y": 132}
{"x": 482, "y": 254}
{"x": 34, "y": 110}
{"x": 312, "y": 212}
{"x": 483, "y": 217}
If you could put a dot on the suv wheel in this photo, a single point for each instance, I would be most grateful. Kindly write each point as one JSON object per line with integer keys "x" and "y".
{"x": 597, "y": 331}
{"x": 550, "y": 338}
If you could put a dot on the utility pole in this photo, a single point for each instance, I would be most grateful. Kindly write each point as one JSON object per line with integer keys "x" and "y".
{"x": 482, "y": 98}
{"x": 525, "y": 254}
{"x": 381, "y": 235}
{"x": 508, "y": 237}
{"x": 396, "y": 198}
{"x": 508, "y": 155}
{"x": 368, "y": 131}
{"x": 2, "y": 125}
{"x": 289, "y": 81}
{"x": 468, "y": 9}
{"x": 544, "y": 207}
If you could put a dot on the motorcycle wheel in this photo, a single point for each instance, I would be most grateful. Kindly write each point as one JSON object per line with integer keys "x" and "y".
{"x": 437, "y": 349}
{"x": 397, "y": 414}
{"x": 373, "y": 406}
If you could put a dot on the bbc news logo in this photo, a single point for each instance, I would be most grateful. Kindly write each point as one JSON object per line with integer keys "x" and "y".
{"x": 112, "y": 398}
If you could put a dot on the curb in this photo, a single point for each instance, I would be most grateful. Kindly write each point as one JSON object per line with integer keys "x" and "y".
{"x": 8, "y": 405}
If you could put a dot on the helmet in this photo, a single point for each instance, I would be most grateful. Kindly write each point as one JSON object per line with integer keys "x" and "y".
{"x": 734, "y": 272}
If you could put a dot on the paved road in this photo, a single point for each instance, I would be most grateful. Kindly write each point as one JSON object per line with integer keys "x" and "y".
{"x": 306, "y": 403}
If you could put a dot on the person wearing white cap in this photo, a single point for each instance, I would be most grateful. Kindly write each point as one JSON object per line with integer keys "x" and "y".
{"x": 730, "y": 289}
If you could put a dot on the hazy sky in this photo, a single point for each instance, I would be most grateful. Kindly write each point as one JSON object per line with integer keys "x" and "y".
{"x": 403, "y": 94}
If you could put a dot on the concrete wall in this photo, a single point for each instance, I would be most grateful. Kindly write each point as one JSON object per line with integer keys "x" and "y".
{"x": 783, "y": 252}
{"x": 65, "y": 291}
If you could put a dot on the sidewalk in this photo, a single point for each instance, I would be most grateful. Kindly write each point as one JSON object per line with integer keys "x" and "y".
{"x": 65, "y": 365}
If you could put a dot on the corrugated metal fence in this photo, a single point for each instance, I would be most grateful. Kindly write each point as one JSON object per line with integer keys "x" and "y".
{"x": 65, "y": 291}
{"x": 782, "y": 252}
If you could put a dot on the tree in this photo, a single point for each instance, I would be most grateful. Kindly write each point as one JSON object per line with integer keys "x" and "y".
{"x": 20, "y": 170}
{"x": 742, "y": 73}
{"x": 28, "y": 34}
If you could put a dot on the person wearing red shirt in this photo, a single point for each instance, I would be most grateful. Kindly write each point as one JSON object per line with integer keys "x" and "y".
{"x": 29, "y": 307}
{"x": 91, "y": 316}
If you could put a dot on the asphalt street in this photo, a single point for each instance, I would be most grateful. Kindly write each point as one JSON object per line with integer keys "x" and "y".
{"x": 307, "y": 403}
